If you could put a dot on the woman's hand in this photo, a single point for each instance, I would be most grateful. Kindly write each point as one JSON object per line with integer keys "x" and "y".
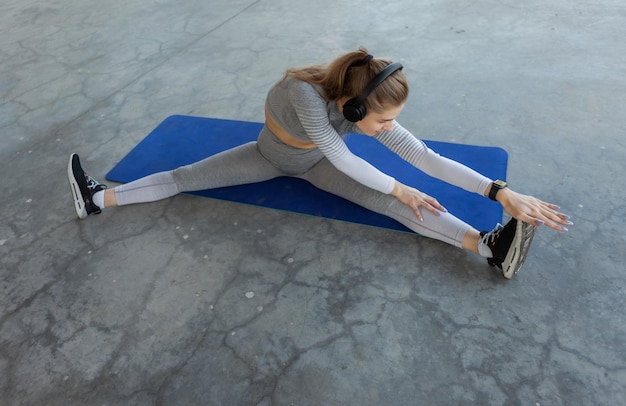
{"x": 414, "y": 199}
{"x": 532, "y": 210}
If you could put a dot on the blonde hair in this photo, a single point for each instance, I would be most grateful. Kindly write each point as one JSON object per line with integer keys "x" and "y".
{"x": 349, "y": 74}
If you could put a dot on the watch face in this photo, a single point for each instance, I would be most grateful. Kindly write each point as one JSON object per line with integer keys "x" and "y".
{"x": 500, "y": 183}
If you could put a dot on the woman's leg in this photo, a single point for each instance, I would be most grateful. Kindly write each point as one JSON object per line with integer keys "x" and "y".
{"x": 445, "y": 227}
{"x": 504, "y": 247}
{"x": 240, "y": 165}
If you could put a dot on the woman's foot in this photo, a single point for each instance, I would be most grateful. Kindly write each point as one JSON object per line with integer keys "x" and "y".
{"x": 509, "y": 245}
{"x": 83, "y": 188}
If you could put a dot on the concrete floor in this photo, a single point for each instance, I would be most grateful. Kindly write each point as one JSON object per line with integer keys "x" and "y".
{"x": 192, "y": 301}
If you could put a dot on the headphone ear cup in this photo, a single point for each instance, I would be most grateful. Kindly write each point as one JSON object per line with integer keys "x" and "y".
{"x": 353, "y": 110}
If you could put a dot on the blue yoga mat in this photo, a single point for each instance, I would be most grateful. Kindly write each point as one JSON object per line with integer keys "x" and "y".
{"x": 180, "y": 140}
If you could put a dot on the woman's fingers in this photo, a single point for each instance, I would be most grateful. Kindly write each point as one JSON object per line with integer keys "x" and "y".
{"x": 429, "y": 203}
{"x": 416, "y": 200}
{"x": 432, "y": 206}
{"x": 416, "y": 210}
{"x": 550, "y": 216}
{"x": 436, "y": 205}
{"x": 534, "y": 211}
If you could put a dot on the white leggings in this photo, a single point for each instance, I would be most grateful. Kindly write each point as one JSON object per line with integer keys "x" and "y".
{"x": 267, "y": 158}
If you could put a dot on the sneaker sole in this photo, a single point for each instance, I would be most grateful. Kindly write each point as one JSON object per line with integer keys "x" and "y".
{"x": 516, "y": 256}
{"x": 76, "y": 186}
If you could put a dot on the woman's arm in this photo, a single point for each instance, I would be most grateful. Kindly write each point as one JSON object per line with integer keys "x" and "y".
{"x": 522, "y": 207}
{"x": 415, "y": 152}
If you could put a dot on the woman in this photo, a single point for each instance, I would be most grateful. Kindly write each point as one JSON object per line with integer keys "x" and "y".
{"x": 307, "y": 113}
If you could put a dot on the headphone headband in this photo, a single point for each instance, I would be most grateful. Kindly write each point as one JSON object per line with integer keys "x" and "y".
{"x": 354, "y": 110}
{"x": 378, "y": 79}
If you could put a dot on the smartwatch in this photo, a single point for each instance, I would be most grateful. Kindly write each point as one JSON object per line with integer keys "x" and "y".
{"x": 496, "y": 186}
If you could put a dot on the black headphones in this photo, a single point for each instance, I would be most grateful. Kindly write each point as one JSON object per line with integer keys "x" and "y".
{"x": 354, "y": 110}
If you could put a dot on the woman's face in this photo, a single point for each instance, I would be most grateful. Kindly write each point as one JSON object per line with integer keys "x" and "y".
{"x": 373, "y": 123}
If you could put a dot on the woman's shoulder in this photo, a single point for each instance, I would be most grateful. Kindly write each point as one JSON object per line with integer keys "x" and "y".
{"x": 300, "y": 89}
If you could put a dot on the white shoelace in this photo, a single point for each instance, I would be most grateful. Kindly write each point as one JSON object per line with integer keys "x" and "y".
{"x": 484, "y": 248}
{"x": 92, "y": 184}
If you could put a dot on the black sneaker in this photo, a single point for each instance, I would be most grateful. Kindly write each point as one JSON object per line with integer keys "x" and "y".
{"x": 83, "y": 188}
{"x": 509, "y": 245}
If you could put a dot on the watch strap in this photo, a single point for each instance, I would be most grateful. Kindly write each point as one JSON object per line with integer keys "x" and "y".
{"x": 496, "y": 186}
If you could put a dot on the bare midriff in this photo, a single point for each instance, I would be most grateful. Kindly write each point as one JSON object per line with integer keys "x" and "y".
{"x": 283, "y": 135}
